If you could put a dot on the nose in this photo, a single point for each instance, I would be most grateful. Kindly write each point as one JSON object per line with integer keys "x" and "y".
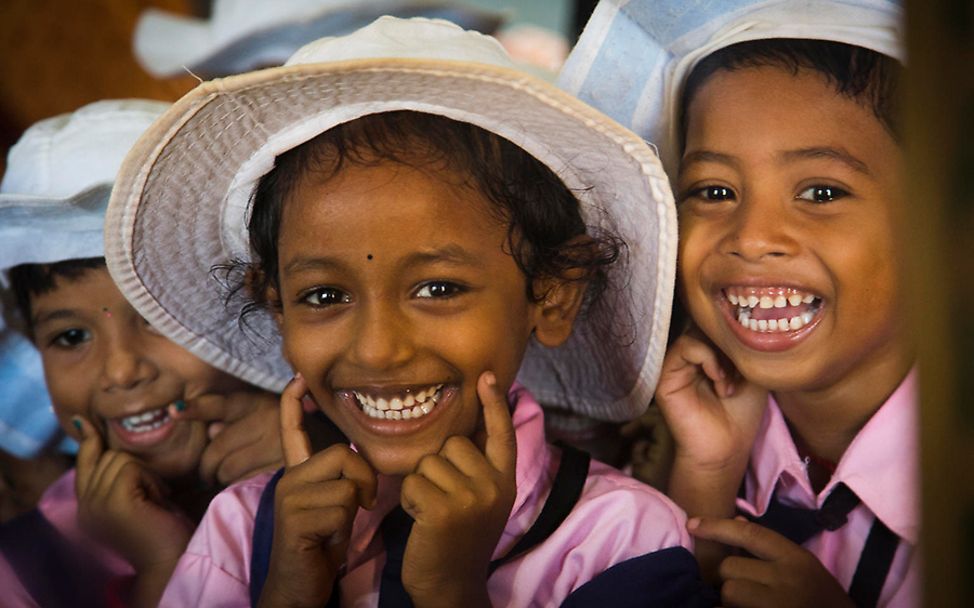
{"x": 383, "y": 337}
{"x": 125, "y": 364}
{"x": 759, "y": 230}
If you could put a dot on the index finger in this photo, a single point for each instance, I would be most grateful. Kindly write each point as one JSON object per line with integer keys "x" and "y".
{"x": 89, "y": 452}
{"x": 500, "y": 447}
{"x": 294, "y": 441}
{"x": 759, "y": 541}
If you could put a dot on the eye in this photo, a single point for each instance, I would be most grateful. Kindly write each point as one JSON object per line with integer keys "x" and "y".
{"x": 325, "y": 296}
{"x": 439, "y": 290}
{"x": 71, "y": 338}
{"x": 822, "y": 194}
{"x": 713, "y": 193}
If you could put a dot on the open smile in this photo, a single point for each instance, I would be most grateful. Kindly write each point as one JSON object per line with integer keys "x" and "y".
{"x": 406, "y": 404}
{"x": 143, "y": 428}
{"x": 772, "y": 309}
{"x": 771, "y": 317}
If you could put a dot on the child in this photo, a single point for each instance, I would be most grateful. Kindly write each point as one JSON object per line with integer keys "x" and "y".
{"x": 414, "y": 222}
{"x": 110, "y": 530}
{"x": 789, "y": 183}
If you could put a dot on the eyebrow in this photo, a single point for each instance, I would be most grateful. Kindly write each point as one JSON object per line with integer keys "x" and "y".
{"x": 831, "y": 153}
{"x": 708, "y": 156}
{"x": 54, "y": 315}
{"x": 451, "y": 254}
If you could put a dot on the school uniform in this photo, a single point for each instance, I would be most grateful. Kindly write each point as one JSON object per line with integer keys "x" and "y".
{"x": 47, "y": 560}
{"x": 616, "y": 521}
{"x": 877, "y": 478}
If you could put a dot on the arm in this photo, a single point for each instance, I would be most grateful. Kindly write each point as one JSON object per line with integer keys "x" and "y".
{"x": 714, "y": 418}
{"x": 123, "y": 504}
{"x": 314, "y": 508}
{"x": 461, "y": 499}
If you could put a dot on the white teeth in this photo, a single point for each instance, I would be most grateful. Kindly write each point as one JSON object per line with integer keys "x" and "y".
{"x": 753, "y": 325}
{"x": 752, "y": 301}
{"x": 783, "y": 325}
{"x": 808, "y": 299}
{"x": 733, "y": 299}
{"x": 146, "y": 421}
{"x": 807, "y": 317}
{"x": 766, "y": 302}
{"x": 795, "y": 299}
{"x": 408, "y": 407}
{"x": 780, "y": 302}
{"x": 773, "y": 324}
{"x": 762, "y": 325}
{"x": 795, "y": 323}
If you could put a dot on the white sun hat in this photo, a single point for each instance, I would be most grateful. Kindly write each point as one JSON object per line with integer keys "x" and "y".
{"x": 52, "y": 208}
{"x": 634, "y": 56}
{"x": 244, "y": 35}
{"x": 181, "y": 201}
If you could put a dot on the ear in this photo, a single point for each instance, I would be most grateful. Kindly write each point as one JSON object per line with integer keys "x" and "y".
{"x": 559, "y": 308}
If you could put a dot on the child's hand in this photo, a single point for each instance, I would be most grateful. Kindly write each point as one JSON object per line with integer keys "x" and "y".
{"x": 781, "y": 573}
{"x": 243, "y": 431}
{"x": 124, "y": 504}
{"x": 461, "y": 499}
{"x": 712, "y": 412}
{"x": 314, "y": 507}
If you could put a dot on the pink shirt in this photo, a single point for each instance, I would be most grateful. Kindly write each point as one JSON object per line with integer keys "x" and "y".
{"x": 59, "y": 506}
{"x": 615, "y": 519}
{"x": 880, "y": 466}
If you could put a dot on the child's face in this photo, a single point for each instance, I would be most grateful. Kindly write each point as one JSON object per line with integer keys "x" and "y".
{"x": 104, "y": 362}
{"x": 397, "y": 295}
{"x": 788, "y": 197}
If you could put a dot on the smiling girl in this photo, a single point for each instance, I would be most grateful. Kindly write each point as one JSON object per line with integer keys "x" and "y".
{"x": 422, "y": 224}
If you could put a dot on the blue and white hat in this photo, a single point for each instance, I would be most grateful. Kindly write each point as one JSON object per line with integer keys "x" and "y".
{"x": 634, "y": 56}
{"x": 52, "y": 208}
{"x": 245, "y": 35}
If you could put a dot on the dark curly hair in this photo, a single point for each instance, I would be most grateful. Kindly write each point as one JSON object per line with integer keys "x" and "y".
{"x": 542, "y": 215}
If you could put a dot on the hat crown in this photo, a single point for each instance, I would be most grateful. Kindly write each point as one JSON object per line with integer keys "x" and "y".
{"x": 416, "y": 38}
{"x": 62, "y": 156}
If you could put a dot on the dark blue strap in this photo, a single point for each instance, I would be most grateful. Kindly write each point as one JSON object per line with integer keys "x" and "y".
{"x": 667, "y": 578}
{"x": 565, "y": 492}
{"x": 51, "y": 569}
{"x": 395, "y": 528}
{"x": 260, "y": 554}
{"x": 874, "y": 564}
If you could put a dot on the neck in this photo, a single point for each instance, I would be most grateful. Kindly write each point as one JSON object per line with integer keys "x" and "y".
{"x": 825, "y": 420}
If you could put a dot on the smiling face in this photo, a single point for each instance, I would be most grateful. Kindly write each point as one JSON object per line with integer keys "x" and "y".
{"x": 788, "y": 261}
{"x": 396, "y": 296}
{"x": 102, "y": 361}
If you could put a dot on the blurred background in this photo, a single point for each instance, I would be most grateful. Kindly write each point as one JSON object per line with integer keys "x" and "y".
{"x": 56, "y": 55}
